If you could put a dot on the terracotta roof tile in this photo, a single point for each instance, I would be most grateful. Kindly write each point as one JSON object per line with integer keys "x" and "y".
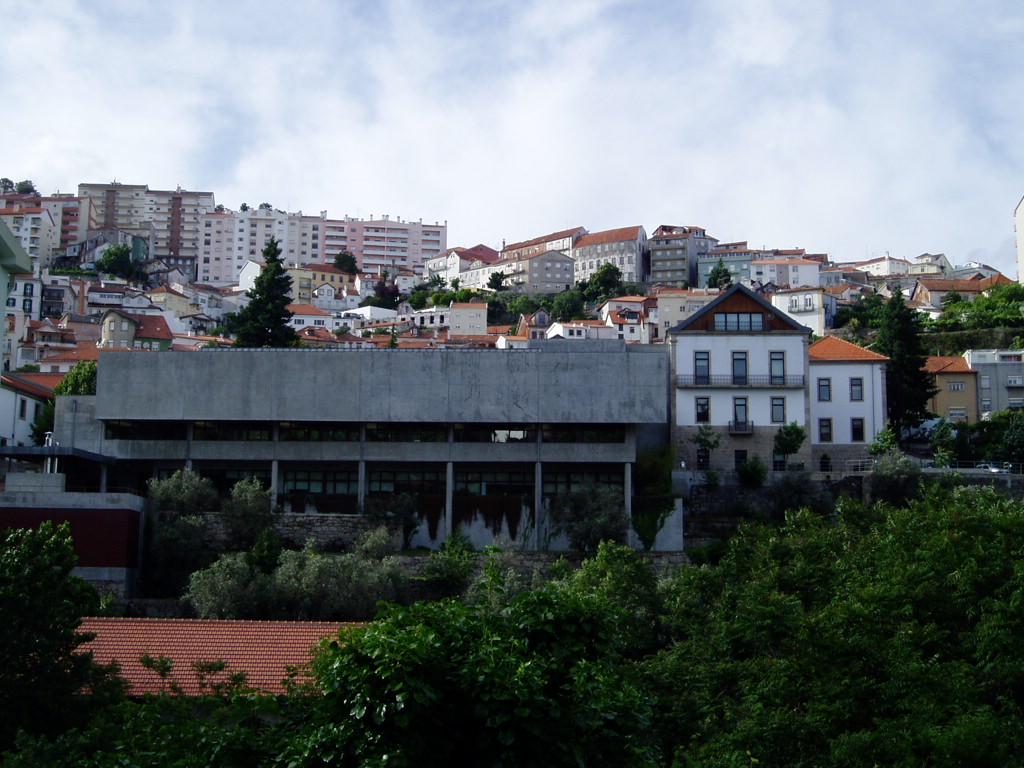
{"x": 947, "y": 364}
{"x": 621, "y": 235}
{"x": 261, "y": 649}
{"x": 834, "y": 349}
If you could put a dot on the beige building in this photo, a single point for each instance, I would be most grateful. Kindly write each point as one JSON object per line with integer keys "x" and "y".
{"x": 957, "y": 396}
{"x": 35, "y": 230}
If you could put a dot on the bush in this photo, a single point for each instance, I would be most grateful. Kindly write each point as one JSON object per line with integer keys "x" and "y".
{"x": 589, "y": 516}
{"x": 896, "y": 479}
{"x": 752, "y": 473}
{"x": 248, "y": 513}
{"x": 450, "y": 569}
{"x": 796, "y": 490}
{"x": 305, "y": 586}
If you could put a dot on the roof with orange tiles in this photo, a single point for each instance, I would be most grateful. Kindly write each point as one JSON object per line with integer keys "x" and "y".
{"x": 148, "y": 326}
{"x": 165, "y": 289}
{"x": 834, "y": 349}
{"x": 620, "y": 235}
{"x": 263, "y": 650}
{"x": 84, "y": 350}
{"x": 38, "y": 384}
{"x": 17, "y": 211}
{"x": 544, "y": 239}
{"x": 468, "y": 305}
{"x": 960, "y": 286}
{"x": 790, "y": 262}
{"x": 947, "y": 364}
{"x": 625, "y": 316}
{"x": 497, "y": 330}
{"x": 306, "y": 309}
{"x": 632, "y": 299}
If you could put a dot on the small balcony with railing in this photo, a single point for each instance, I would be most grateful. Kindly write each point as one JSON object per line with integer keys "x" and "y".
{"x": 690, "y": 381}
{"x": 741, "y": 427}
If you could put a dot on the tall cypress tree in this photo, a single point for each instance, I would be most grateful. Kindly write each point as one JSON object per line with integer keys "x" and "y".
{"x": 264, "y": 321}
{"x": 908, "y": 387}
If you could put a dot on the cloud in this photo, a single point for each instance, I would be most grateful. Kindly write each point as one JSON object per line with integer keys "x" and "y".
{"x": 849, "y": 128}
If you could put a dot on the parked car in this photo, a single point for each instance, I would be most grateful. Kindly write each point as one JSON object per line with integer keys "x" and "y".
{"x": 999, "y": 469}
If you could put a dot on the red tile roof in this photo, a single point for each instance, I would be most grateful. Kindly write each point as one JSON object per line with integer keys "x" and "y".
{"x": 38, "y": 384}
{"x": 545, "y": 239}
{"x": 947, "y": 364}
{"x": 261, "y": 649}
{"x": 834, "y": 349}
{"x": 621, "y": 235}
{"x": 306, "y": 309}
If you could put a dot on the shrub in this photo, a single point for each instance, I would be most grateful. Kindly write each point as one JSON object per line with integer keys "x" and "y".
{"x": 450, "y": 569}
{"x": 752, "y": 473}
{"x": 589, "y": 516}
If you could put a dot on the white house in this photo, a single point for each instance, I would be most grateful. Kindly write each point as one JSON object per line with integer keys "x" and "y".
{"x": 740, "y": 367}
{"x": 814, "y": 307}
{"x": 847, "y": 386}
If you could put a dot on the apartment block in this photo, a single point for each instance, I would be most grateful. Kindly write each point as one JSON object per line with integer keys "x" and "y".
{"x": 625, "y": 248}
{"x": 674, "y": 252}
{"x": 35, "y": 230}
{"x": 72, "y": 216}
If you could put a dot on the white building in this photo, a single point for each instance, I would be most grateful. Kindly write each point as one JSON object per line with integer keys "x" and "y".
{"x": 740, "y": 367}
{"x": 625, "y": 248}
{"x": 785, "y": 273}
{"x": 36, "y": 231}
{"x": 813, "y": 307}
{"x": 847, "y": 385}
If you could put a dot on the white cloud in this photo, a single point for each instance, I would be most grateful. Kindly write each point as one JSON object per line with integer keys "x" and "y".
{"x": 849, "y": 128}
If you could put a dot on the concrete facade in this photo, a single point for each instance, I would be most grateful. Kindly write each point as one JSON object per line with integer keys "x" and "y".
{"x": 478, "y": 435}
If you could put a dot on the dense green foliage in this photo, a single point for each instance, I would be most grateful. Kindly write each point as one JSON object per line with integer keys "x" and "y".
{"x": 1000, "y": 308}
{"x": 719, "y": 277}
{"x": 302, "y": 585}
{"x": 346, "y": 262}
{"x": 907, "y": 388}
{"x": 117, "y": 260}
{"x": 41, "y": 604}
{"x": 80, "y": 380}
{"x": 589, "y": 516}
{"x": 263, "y": 322}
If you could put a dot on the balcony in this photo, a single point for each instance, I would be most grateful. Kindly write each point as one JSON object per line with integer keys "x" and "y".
{"x": 741, "y": 427}
{"x": 685, "y": 381}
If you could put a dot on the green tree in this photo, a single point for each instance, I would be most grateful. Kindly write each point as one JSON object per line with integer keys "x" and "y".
{"x": 243, "y": 207}
{"x": 944, "y": 443}
{"x": 41, "y": 668}
{"x": 568, "y": 305}
{"x": 885, "y": 442}
{"x": 6, "y": 185}
{"x": 590, "y": 515}
{"x": 247, "y": 513}
{"x": 908, "y": 387}
{"x": 418, "y": 299}
{"x": 719, "y": 276}
{"x": 26, "y": 187}
{"x": 263, "y": 322}
{"x": 707, "y": 441}
{"x": 177, "y": 540}
{"x": 496, "y": 282}
{"x": 788, "y": 439}
{"x": 346, "y": 262}
{"x": 605, "y": 283}
{"x": 537, "y": 682}
{"x": 117, "y": 260}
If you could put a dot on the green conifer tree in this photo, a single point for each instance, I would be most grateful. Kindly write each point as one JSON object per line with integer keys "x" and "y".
{"x": 264, "y": 321}
{"x": 908, "y": 387}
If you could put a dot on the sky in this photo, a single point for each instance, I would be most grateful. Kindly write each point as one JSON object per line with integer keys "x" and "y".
{"x": 849, "y": 128}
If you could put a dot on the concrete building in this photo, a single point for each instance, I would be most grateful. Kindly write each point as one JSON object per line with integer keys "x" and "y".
{"x": 169, "y": 219}
{"x": 72, "y": 215}
{"x": 35, "y": 229}
{"x": 785, "y": 273}
{"x": 674, "y": 253}
{"x": 813, "y": 307}
{"x": 390, "y": 244}
{"x": 483, "y": 438}
{"x": 557, "y": 241}
{"x": 1000, "y": 379}
{"x": 625, "y": 248}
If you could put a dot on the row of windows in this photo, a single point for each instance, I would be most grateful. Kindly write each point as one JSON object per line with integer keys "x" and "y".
{"x": 375, "y": 433}
{"x": 825, "y": 433}
{"x": 740, "y": 367}
{"x": 856, "y": 389}
{"x": 740, "y": 409}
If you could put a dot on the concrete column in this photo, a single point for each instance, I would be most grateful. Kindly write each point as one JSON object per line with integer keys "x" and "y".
{"x": 103, "y": 478}
{"x": 275, "y": 489}
{"x": 362, "y": 483}
{"x": 627, "y": 489}
{"x": 538, "y": 500}
{"x": 449, "y": 495}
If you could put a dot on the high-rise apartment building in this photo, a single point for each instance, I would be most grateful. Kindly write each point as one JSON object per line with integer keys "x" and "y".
{"x": 674, "y": 254}
{"x": 169, "y": 219}
{"x": 389, "y": 244}
{"x": 35, "y": 230}
{"x": 72, "y": 216}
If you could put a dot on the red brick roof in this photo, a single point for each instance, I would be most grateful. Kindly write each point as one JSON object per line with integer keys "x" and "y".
{"x": 261, "y": 649}
{"x": 834, "y": 349}
{"x": 38, "y": 384}
{"x": 545, "y": 239}
{"x": 947, "y": 364}
{"x": 306, "y": 309}
{"x": 621, "y": 235}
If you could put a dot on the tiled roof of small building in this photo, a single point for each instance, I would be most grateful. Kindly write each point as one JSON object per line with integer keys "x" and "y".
{"x": 263, "y": 650}
{"x": 834, "y": 349}
{"x": 947, "y": 364}
{"x": 621, "y": 235}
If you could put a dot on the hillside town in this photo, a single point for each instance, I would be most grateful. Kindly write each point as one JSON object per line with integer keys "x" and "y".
{"x": 185, "y": 385}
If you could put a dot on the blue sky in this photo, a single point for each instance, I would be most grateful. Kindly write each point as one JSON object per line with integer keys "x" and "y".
{"x": 849, "y": 128}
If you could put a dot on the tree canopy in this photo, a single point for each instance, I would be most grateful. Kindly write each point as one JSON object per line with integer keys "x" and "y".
{"x": 263, "y": 322}
{"x": 117, "y": 260}
{"x": 346, "y": 262}
{"x": 719, "y": 277}
{"x": 42, "y": 605}
{"x": 908, "y": 387}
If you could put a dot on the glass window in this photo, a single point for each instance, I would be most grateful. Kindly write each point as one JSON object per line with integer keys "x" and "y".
{"x": 739, "y": 321}
{"x": 739, "y": 456}
{"x": 739, "y": 412}
{"x": 778, "y": 368}
{"x": 702, "y": 367}
{"x": 739, "y": 368}
{"x": 825, "y": 430}
{"x": 857, "y": 388}
{"x": 957, "y": 386}
{"x": 857, "y": 430}
{"x": 702, "y": 410}
{"x": 824, "y": 390}
{"x": 778, "y": 410}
